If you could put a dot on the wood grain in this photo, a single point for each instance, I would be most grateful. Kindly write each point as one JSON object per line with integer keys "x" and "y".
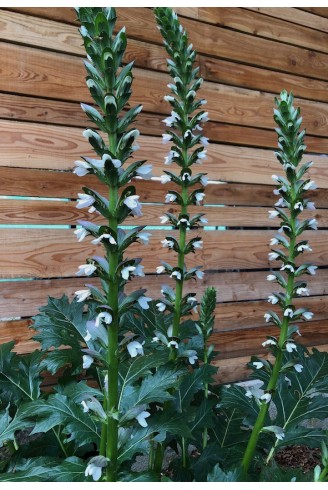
{"x": 55, "y": 253}
{"x": 295, "y": 16}
{"x": 254, "y": 23}
{"x": 57, "y": 147}
{"x": 40, "y": 212}
{"x": 217, "y": 41}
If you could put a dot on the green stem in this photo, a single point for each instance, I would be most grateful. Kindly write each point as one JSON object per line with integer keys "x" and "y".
{"x": 184, "y": 452}
{"x": 272, "y": 385}
{"x": 206, "y": 395}
{"x": 158, "y": 459}
{"x": 324, "y": 474}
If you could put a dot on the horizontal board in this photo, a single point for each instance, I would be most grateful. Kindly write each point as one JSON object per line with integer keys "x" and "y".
{"x": 249, "y": 341}
{"x": 65, "y": 213}
{"x": 57, "y": 147}
{"x": 220, "y": 42}
{"x": 22, "y": 301}
{"x": 322, "y": 11}
{"x": 63, "y": 38}
{"x": 56, "y": 253}
{"x": 254, "y": 23}
{"x": 31, "y": 109}
{"x": 63, "y": 76}
{"x": 295, "y": 16}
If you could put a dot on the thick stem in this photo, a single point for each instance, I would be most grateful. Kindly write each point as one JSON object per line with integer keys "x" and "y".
{"x": 272, "y": 385}
{"x": 323, "y": 475}
{"x": 184, "y": 452}
{"x": 206, "y": 396}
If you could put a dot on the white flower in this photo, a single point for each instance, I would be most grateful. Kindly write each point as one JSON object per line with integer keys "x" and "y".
{"x": 115, "y": 162}
{"x": 272, "y": 299}
{"x": 192, "y": 357}
{"x": 145, "y": 171}
{"x": 201, "y": 155}
{"x": 125, "y": 272}
{"x": 105, "y": 236}
{"x": 313, "y": 224}
{"x": 95, "y": 467}
{"x": 89, "y": 133}
{"x": 204, "y": 141}
{"x": 138, "y": 271}
{"x": 86, "y": 269}
{"x": 143, "y": 302}
{"x": 307, "y": 315}
{"x": 298, "y": 368}
{"x": 170, "y": 198}
{"x": 177, "y": 275}
{"x": 258, "y": 365}
{"x": 273, "y": 242}
{"x": 269, "y": 342}
{"x": 273, "y": 214}
{"x": 165, "y": 179}
{"x": 267, "y": 317}
{"x": 287, "y": 267}
{"x": 183, "y": 221}
{"x": 168, "y": 98}
{"x": 203, "y": 220}
{"x": 144, "y": 237}
{"x": 203, "y": 101}
{"x": 155, "y": 339}
{"x": 310, "y": 186}
{"x": 289, "y": 312}
{"x": 199, "y": 196}
{"x": 173, "y": 343}
{"x": 278, "y": 431}
{"x": 200, "y": 274}
{"x": 281, "y": 203}
{"x": 185, "y": 176}
{"x": 203, "y": 117}
{"x": 266, "y": 397}
{"x": 164, "y": 219}
{"x": 312, "y": 269}
{"x": 135, "y": 147}
{"x": 290, "y": 346}
{"x": 81, "y": 169}
{"x": 84, "y": 201}
{"x": 188, "y": 134}
{"x": 103, "y": 316}
{"x": 303, "y": 247}
{"x": 169, "y": 121}
{"x": 80, "y": 233}
{"x": 301, "y": 291}
{"x": 275, "y": 177}
{"x": 135, "y": 348}
{"x": 170, "y": 331}
{"x": 273, "y": 256}
{"x": 84, "y": 405}
{"x": 204, "y": 180}
{"x": 141, "y": 418}
{"x": 299, "y": 205}
{"x": 169, "y": 158}
{"x": 310, "y": 205}
{"x": 167, "y": 243}
{"x": 92, "y": 209}
{"x": 198, "y": 244}
{"x": 87, "y": 337}
{"x": 82, "y": 294}
{"x": 166, "y": 138}
{"x": 161, "y": 306}
{"x": 271, "y": 277}
{"x": 132, "y": 202}
{"x": 87, "y": 361}
{"x": 160, "y": 269}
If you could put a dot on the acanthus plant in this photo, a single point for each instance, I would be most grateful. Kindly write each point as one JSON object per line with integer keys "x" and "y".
{"x": 289, "y": 245}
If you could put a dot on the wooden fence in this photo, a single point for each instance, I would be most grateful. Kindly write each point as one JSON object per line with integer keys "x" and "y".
{"x": 246, "y": 56}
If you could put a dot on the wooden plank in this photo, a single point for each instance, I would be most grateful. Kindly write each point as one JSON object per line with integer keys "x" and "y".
{"x": 294, "y": 15}
{"x": 31, "y": 109}
{"x": 55, "y": 253}
{"x": 249, "y": 341}
{"x": 322, "y": 11}
{"x": 39, "y": 212}
{"x": 63, "y": 77}
{"x": 247, "y": 76}
{"x": 258, "y": 25}
{"x": 241, "y": 315}
{"x": 60, "y": 37}
{"x": 57, "y": 147}
{"x": 22, "y": 301}
{"x": 219, "y": 42}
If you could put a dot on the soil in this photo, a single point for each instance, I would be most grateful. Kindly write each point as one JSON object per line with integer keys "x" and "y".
{"x": 303, "y": 457}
